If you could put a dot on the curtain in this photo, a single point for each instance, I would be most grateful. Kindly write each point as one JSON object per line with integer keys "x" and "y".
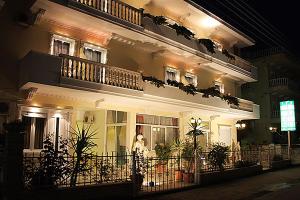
{"x": 39, "y": 133}
{"x": 171, "y": 135}
{"x": 92, "y": 55}
{"x": 27, "y": 124}
{"x": 171, "y": 75}
{"x": 61, "y": 47}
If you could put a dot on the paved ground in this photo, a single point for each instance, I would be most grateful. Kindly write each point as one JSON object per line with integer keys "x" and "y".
{"x": 283, "y": 184}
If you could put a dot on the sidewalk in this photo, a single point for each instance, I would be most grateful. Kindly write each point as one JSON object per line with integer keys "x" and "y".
{"x": 283, "y": 184}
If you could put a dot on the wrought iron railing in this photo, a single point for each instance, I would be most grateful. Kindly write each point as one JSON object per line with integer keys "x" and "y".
{"x": 86, "y": 70}
{"x": 116, "y": 8}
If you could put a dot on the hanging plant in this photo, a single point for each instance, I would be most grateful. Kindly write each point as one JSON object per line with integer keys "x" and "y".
{"x": 189, "y": 89}
{"x": 158, "y": 20}
{"x": 154, "y": 81}
{"x": 227, "y": 54}
{"x": 211, "y": 91}
{"x": 231, "y": 100}
{"x": 181, "y": 30}
{"x": 209, "y": 44}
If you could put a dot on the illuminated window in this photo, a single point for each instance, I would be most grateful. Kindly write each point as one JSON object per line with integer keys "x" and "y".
{"x": 172, "y": 74}
{"x": 219, "y": 86}
{"x": 116, "y": 131}
{"x": 191, "y": 78}
{"x": 157, "y": 129}
{"x": 62, "y": 45}
{"x": 95, "y": 53}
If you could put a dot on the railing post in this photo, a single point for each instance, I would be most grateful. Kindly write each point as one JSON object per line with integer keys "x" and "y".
{"x": 133, "y": 176}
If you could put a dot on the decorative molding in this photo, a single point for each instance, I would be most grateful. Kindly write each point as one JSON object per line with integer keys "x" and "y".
{"x": 38, "y": 15}
{"x": 29, "y": 93}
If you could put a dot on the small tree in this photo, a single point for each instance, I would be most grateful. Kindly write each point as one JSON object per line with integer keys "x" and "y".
{"x": 82, "y": 144}
{"x": 53, "y": 164}
{"x": 217, "y": 155}
{"x": 163, "y": 152}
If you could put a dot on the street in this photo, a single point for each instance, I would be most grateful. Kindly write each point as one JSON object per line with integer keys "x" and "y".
{"x": 283, "y": 184}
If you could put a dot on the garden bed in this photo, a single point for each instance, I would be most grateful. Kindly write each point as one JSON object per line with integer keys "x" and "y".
{"x": 230, "y": 174}
{"x": 280, "y": 164}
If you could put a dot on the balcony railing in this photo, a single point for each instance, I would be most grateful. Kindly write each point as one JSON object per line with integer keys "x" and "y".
{"x": 275, "y": 113}
{"x": 116, "y": 8}
{"x": 243, "y": 105}
{"x": 278, "y": 82}
{"x": 85, "y": 70}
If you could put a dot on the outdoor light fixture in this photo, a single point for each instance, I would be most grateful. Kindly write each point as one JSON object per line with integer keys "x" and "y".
{"x": 240, "y": 125}
{"x": 210, "y": 22}
{"x": 196, "y": 122}
{"x": 273, "y": 129}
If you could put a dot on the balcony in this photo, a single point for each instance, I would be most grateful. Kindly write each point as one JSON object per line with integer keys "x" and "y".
{"x": 283, "y": 86}
{"x": 237, "y": 67}
{"x": 126, "y": 21}
{"x": 77, "y": 78}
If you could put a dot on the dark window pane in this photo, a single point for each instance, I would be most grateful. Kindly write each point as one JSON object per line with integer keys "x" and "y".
{"x": 111, "y": 117}
{"x": 39, "y": 132}
{"x": 60, "y": 47}
{"x": 92, "y": 55}
{"x": 121, "y": 117}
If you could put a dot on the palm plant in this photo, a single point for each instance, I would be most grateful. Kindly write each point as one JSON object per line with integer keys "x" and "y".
{"x": 82, "y": 144}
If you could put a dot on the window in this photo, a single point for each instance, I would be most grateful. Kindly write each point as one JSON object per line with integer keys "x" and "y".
{"x": 219, "y": 86}
{"x": 34, "y": 131}
{"x": 157, "y": 129}
{"x": 62, "y": 45}
{"x": 225, "y": 134}
{"x": 191, "y": 78}
{"x": 116, "y": 131}
{"x": 172, "y": 74}
{"x": 95, "y": 53}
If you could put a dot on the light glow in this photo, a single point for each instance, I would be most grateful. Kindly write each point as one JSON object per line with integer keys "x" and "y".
{"x": 210, "y": 22}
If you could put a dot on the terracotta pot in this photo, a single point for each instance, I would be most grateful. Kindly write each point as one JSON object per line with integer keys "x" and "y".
{"x": 178, "y": 175}
{"x": 160, "y": 168}
{"x": 188, "y": 177}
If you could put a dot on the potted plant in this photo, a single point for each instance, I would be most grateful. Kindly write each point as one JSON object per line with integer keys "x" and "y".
{"x": 177, "y": 147}
{"x": 217, "y": 156}
{"x": 188, "y": 158}
{"x": 163, "y": 153}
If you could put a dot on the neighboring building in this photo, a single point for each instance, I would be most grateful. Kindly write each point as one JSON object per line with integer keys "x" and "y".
{"x": 278, "y": 80}
{"x": 68, "y": 62}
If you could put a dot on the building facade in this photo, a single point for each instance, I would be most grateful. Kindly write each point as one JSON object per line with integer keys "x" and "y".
{"x": 79, "y": 63}
{"x": 278, "y": 81}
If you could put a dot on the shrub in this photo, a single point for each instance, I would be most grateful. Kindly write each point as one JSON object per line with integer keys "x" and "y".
{"x": 244, "y": 163}
{"x": 217, "y": 155}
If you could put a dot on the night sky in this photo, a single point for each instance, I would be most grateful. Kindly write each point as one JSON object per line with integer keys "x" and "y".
{"x": 282, "y": 15}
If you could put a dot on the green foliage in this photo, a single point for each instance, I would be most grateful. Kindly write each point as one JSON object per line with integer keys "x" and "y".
{"x": 158, "y": 20}
{"x": 277, "y": 157}
{"x": 53, "y": 166}
{"x": 82, "y": 144}
{"x": 244, "y": 163}
{"x": 181, "y": 30}
{"x": 177, "y": 147}
{"x": 211, "y": 91}
{"x": 154, "y": 81}
{"x": 104, "y": 167}
{"x": 231, "y": 100}
{"x": 163, "y": 152}
{"x": 188, "y": 89}
{"x": 217, "y": 155}
{"x": 209, "y": 44}
{"x": 227, "y": 54}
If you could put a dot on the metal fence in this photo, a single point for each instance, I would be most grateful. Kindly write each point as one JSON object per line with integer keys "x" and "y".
{"x": 92, "y": 170}
{"x": 159, "y": 175}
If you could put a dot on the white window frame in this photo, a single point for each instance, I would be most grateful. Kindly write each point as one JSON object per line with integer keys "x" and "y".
{"x": 193, "y": 76}
{"x": 221, "y": 86}
{"x": 170, "y": 69}
{"x": 115, "y": 125}
{"x": 63, "y": 39}
{"x": 99, "y": 49}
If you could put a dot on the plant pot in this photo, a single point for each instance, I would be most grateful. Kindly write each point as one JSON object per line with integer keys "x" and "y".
{"x": 178, "y": 175}
{"x": 188, "y": 177}
{"x": 161, "y": 168}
